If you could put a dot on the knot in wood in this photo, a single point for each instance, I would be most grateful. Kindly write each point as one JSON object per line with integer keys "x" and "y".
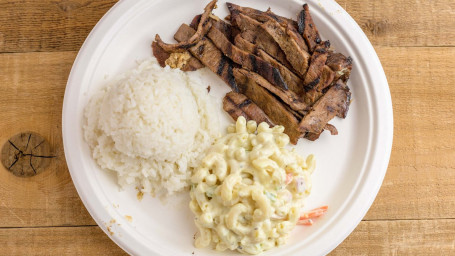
{"x": 26, "y": 154}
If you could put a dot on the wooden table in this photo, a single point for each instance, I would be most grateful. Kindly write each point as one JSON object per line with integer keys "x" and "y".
{"x": 414, "y": 213}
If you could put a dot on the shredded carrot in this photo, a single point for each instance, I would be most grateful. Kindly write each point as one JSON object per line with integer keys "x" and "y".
{"x": 307, "y": 222}
{"x": 306, "y": 217}
{"x": 288, "y": 178}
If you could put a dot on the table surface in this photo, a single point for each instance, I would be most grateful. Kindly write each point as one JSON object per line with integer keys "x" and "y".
{"x": 413, "y": 214}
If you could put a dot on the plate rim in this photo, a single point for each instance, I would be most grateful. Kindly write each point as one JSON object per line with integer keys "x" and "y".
{"x": 98, "y": 213}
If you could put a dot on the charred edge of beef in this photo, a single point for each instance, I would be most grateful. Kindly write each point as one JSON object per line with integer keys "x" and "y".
{"x": 307, "y": 28}
{"x": 209, "y": 55}
{"x": 202, "y": 29}
{"x": 246, "y": 59}
{"x": 297, "y": 57}
{"x": 317, "y": 63}
{"x": 271, "y": 106}
{"x": 237, "y": 104}
{"x": 343, "y": 113}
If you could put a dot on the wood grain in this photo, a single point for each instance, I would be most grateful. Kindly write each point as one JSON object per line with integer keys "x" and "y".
{"x": 88, "y": 240}
{"x": 415, "y": 237}
{"x": 32, "y": 87}
{"x": 420, "y": 180}
{"x": 404, "y": 22}
{"x": 48, "y": 25}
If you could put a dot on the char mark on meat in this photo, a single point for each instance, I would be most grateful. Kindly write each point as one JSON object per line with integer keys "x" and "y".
{"x": 271, "y": 106}
{"x": 308, "y": 29}
{"x": 335, "y": 102}
{"x": 292, "y": 80}
{"x": 326, "y": 80}
{"x": 246, "y": 59}
{"x": 317, "y": 63}
{"x": 287, "y": 96}
{"x": 209, "y": 55}
{"x": 237, "y": 104}
{"x": 202, "y": 29}
{"x": 259, "y": 15}
{"x": 263, "y": 17}
{"x": 297, "y": 57}
{"x": 253, "y": 33}
{"x": 341, "y": 64}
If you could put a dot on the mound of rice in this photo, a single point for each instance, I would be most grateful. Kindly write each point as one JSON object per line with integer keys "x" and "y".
{"x": 150, "y": 126}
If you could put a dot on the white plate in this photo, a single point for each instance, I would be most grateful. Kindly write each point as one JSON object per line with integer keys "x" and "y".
{"x": 350, "y": 166}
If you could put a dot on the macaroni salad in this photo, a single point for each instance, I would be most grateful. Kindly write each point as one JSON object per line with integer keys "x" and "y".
{"x": 248, "y": 191}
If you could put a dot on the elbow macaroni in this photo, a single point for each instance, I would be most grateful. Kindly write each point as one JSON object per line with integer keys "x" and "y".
{"x": 248, "y": 191}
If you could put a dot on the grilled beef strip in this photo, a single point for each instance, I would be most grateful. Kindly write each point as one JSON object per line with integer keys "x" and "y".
{"x": 297, "y": 57}
{"x": 308, "y": 29}
{"x": 228, "y": 30}
{"x": 292, "y": 80}
{"x": 202, "y": 29}
{"x": 314, "y": 136}
{"x": 341, "y": 64}
{"x": 209, "y": 55}
{"x": 246, "y": 59}
{"x": 297, "y": 114}
{"x": 262, "y": 17}
{"x": 334, "y": 102}
{"x": 271, "y": 106}
{"x": 327, "y": 78}
{"x": 253, "y": 33}
{"x": 317, "y": 63}
{"x": 160, "y": 54}
{"x": 287, "y": 96}
{"x": 237, "y": 104}
{"x": 331, "y": 128}
{"x": 245, "y": 45}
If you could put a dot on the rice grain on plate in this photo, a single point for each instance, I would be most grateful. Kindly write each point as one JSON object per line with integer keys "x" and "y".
{"x": 151, "y": 126}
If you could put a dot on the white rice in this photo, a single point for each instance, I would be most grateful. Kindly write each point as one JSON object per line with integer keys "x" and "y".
{"x": 151, "y": 126}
